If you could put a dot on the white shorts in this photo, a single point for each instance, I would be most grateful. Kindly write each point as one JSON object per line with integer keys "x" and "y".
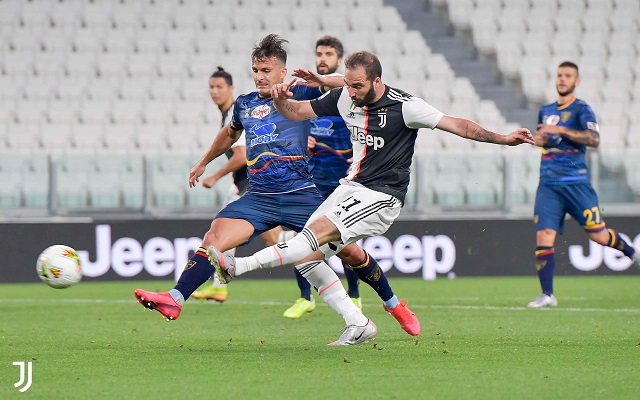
{"x": 232, "y": 194}
{"x": 358, "y": 212}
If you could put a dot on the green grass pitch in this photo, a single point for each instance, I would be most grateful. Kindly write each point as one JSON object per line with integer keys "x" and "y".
{"x": 478, "y": 341}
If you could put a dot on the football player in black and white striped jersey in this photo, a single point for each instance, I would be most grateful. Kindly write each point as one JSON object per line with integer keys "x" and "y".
{"x": 384, "y": 124}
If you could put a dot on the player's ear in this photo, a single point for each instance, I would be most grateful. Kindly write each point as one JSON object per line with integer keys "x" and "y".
{"x": 283, "y": 73}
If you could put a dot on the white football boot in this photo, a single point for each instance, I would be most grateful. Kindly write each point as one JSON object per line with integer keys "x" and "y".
{"x": 543, "y": 301}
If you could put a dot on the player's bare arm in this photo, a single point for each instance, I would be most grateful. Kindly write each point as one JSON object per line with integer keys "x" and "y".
{"x": 238, "y": 160}
{"x": 223, "y": 141}
{"x": 313, "y": 79}
{"x": 471, "y": 130}
{"x": 586, "y": 137}
{"x": 290, "y": 109}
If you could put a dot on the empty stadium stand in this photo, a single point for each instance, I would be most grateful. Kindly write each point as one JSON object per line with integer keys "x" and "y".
{"x": 104, "y": 104}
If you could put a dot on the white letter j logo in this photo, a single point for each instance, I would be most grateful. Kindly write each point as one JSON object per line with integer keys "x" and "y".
{"x": 21, "y": 381}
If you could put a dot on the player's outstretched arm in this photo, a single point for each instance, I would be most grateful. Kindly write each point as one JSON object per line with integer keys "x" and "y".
{"x": 471, "y": 130}
{"x": 223, "y": 141}
{"x": 290, "y": 109}
{"x": 238, "y": 160}
{"x": 315, "y": 80}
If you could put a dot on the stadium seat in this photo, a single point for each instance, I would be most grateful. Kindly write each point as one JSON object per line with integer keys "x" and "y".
{"x": 119, "y": 40}
{"x": 127, "y": 112}
{"x": 187, "y": 16}
{"x": 24, "y": 138}
{"x": 438, "y": 68}
{"x": 10, "y": 193}
{"x": 137, "y": 89}
{"x": 489, "y": 115}
{"x": 196, "y": 89}
{"x": 70, "y": 89}
{"x": 460, "y": 13}
{"x": 39, "y": 88}
{"x": 104, "y": 190}
{"x": 35, "y": 189}
{"x": 127, "y": 15}
{"x": 31, "y": 111}
{"x": 156, "y": 16}
{"x": 450, "y": 190}
{"x": 81, "y": 65}
{"x": 149, "y": 41}
{"x": 189, "y": 112}
{"x": 65, "y": 112}
{"x": 158, "y": 112}
{"x": 57, "y": 137}
{"x": 142, "y": 65}
{"x": 152, "y": 136}
{"x": 73, "y": 173}
{"x": 88, "y": 138}
{"x": 509, "y": 56}
{"x": 172, "y": 65}
{"x": 57, "y": 39}
{"x": 112, "y": 64}
{"x": 167, "y": 89}
{"x": 182, "y": 41}
{"x": 96, "y": 111}
{"x": 18, "y": 64}
{"x": 485, "y": 30}
{"x": 120, "y": 138}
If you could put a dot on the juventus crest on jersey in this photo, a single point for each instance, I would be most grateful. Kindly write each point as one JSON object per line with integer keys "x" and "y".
{"x": 383, "y": 135}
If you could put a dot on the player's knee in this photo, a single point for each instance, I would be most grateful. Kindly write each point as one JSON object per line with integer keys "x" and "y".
{"x": 352, "y": 254}
{"x": 211, "y": 238}
{"x": 546, "y": 237}
{"x": 601, "y": 237}
{"x": 324, "y": 230}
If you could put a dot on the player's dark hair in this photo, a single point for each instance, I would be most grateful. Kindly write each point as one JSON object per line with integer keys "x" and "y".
{"x": 569, "y": 64}
{"x": 270, "y": 46}
{"x": 221, "y": 73}
{"x": 368, "y": 61}
{"x": 331, "y": 41}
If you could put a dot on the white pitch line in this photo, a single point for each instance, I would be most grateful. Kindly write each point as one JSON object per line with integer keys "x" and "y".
{"x": 280, "y": 304}
{"x": 573, "y": 309}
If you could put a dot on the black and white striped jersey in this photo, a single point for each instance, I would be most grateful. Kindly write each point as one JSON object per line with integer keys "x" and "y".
{"x": 383, "y": 135}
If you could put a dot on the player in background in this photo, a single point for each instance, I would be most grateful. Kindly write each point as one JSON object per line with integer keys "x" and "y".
{"x": 330, "y": 155}
{"x": 280, "y": 192}
{"x": 384, "y": 123}
{"x": 221, "y": 91}
{"x": 565, "y": 129}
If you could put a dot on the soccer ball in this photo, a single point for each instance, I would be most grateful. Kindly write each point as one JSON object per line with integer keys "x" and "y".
{"x": 59, "y": 266}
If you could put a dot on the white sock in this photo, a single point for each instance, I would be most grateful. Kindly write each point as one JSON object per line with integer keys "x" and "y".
{"x": 177, "y": 296}
{"x": 285, "y": 235}
{"x": 320, "y": 275}
{"x": 289, "y": 252}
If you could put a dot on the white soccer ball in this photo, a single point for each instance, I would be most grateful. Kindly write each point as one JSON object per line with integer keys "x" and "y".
{"x": 59, "y": 266}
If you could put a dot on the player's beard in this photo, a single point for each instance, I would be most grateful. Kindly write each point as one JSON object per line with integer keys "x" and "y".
{"x": 329, "y": 70}
{"x": 367, "y": 99}
{"x": 566, "y": 92}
